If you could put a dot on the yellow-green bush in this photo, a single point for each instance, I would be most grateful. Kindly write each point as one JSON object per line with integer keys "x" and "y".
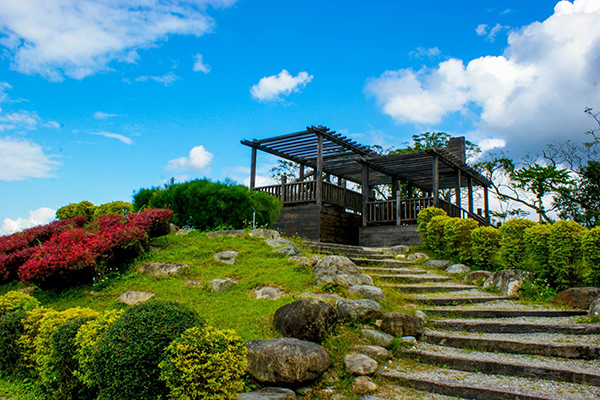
{"x": 205, "y": 363}
{"x": 31, "y": 327}
{"x": 564, "y": 243}
{"x": 84, "y": 208}
{"x": 457, "y": 238}
{"x": 590, "y": 244}
{"x": 484, "y": 246}
{"x": 434, "y": 238}
{"x": 11, "y": 328}
{"x": 512, "y": 243}
{"x": 536, "y": 243}
{"x": 17, "y": 301}
{"x": 115, "y": 207}
{"x": 424, "y": 217}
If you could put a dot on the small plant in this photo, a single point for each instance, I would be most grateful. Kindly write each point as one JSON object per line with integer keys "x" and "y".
{"x": 538, "y": 291}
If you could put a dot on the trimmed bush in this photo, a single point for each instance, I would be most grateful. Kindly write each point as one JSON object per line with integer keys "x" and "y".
{"x": 537, "y": 245}
{"x": 127, "y": 355}
{"x": 17, "y": 301}
{"x": 457, "y": 238}
{"x": 205, "y": 363}
{"x": 565, "y": 257}
{"x": 590, "y": 244}
{"x": 84, "y": 208}
{"x": 424, "y": 217}
{"x": 484, "y": 246}
{"x": 31, "y": 328}
{"x": 115, "y": 207}
{"x": 434, "y": 239}
{"x": 11, "y": 329}
{"x": 512, "y": 242}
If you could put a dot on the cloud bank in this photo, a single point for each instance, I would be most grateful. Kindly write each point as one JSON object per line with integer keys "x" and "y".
{"x": 40, "y": 216}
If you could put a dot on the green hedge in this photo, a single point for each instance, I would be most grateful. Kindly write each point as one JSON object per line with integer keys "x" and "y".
{"x": 537, "y": 245}
{"x": 434, "y": 238}
{"x": 565, "y": 255}
{"x": 590, "y": 244}
{"x": 512, "y": 244}
{"x": 484, "y": 244}
{"x": 424, "y": 217}
{"x": 457, "y": 238}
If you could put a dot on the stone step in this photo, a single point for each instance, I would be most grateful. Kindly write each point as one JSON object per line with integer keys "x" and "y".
{"x": 536, "y": 344}
{"x": 411, "y": 278}
{"x": 389, "y": 263}
{"x": 477, "y": 386}
{"x": 391, "y": 271}
{"x": 502, "y": 326}
{"x": 498, "y": 313}
{"x": 412, "y": 288}
{"x": 455, "y": 300}
{"x": 573, "y": 371}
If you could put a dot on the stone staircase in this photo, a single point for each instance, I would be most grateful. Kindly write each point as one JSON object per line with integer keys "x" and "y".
{"x": 483, "y": 346}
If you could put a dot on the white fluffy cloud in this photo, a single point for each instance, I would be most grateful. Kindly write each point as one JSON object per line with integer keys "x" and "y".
{"x": 199, "y": 66}
{"x": 111, "y": 135}
{"x": 534, "y": 93}
{"x": 271, "y": 88}
{"x": 198, "y": 159}
{"x": 80, "y": 38}
{"x": 40, "y": 216}
{"x": 21, "y": 159}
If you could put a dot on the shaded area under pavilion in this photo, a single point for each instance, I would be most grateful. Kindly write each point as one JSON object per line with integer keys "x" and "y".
{"x": 322, "y": 206}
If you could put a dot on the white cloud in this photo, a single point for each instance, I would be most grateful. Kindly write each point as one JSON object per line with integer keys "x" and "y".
{"x": 166, "y": 79}
{"x": 103, "y": 115}
{"x": 534, "y": 93}
{"x": 481, "y": 29}
{"x": 271, "y": 88}
{"x": 199, "y": 66}
{"x": 423, "y": 52}
{"x": 40, "y": 216}
{"x": 21, "y": 159}
{"x": 199, "y": 158}
{"x": 261, "y": 181}
{"x": 3, "y": 87}
{"x": 495, "y": 30}
{"x": 52, "y": 124}
{"x": 122, "y": 138}
{"x": 491, "y": 143}
{"x": 19, "y": 120}
{"x": 80, "y": 38}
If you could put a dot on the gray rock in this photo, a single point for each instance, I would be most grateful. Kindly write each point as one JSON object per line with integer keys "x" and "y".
{"x": 268, "y": 292}
{"x": 594, "y": 310}
{"x": 379, "y": 338}
{"x": 477, "y": 277}
{"x": 221, "y": 285}
{"x": 508, "y": 281}
{"x": 411, "y": 340}
{"x": 288, "y": 251}
{"x": 306, "y": 319}
{"x": 400, "y": 324}
{"x": 265, "y": 233}
{"x": 417, "y": 257}
{"x": 133, "y": 297}
{"x": 457, "y": 269}
{"x": 368, "y": 291}
{"x": 193, "y": 283}
{"x": 232, "y": 232}
{"x": 437, "y": 264}
{"x": 363, "y": 310}
{"x": 268, "y": 393}
{"x": 363, "y": 384}
{"x": 422, "y": 316}
{"x": 400, "y": 249}
{"x": 374, "y": 352}
{"x": 227, "y": 257}
{"x": 279, "y": 242}
{"x": 339, "y": 270}
{"x": 286, "y": 360}
{"x": 157, "y": 268}
{"x": 321, "y": 296}
{"x": 184, "y": 231}
{"x": 304, "y": 261}
{"x": 359, "y": 364}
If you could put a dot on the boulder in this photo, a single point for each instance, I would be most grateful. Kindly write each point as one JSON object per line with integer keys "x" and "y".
{"x": 268, "y": 393}
{"x": 232, "y": 232}
{"x": 321, "y": 296}
{"x": 363, "y": 310}
{"x": 508, "y": 281}
{"x": 359, "y": 364}
{"x": 578, "y": 298}
{"x": 417, "y": 257}
{"x": 173, "y": 228}
{"x": 288, "y": 251}
{"x": 265, "y": 233}
{"x": 157, "y": 268}
{"x": 306, "y": 319}
{"x": 268, "y": 292}
{"x": 400, "y": 249}
{"x": 457, "y": 269}
{"x": 279, "y": 242}
{"x": 368, "y": 291}
{"x": 133, "y": 297}
{"x": 374, "y": 351}
{"x": 339, "y": 270}
{"x": 379, "y": 338}
{"x": 286, "y": 360}
{"x": 227, "y": 257}
{"x": 437, "y": 264}
{"x": 221, "y": 285}
{"x": 304, "y": 261}
{"x": 363, "y": 384}
{"x": 193, "y": 283}
{"x": 477, "y": 277}
{"x": 422, "y": 316}
{"x": 400, "y": 324}
{"x": 410, "y": 340}
{"x": 184, "y": 231}
{"x": 594, "y": 310}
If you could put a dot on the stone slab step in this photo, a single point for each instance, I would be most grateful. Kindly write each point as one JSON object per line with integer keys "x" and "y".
{"x": 496, "y": 313}
{"x": 470, "y": 385}
{"x": 501, "y": 326}
{"x": 456, "y": 300}
{"x": 391, "y": 271}
{"x": 534, "y": 344}
{"x": 389, "y": 263}
{"x": 573, "y": 371}
{"x": 412, "y": 278}
{"x": 412, "y": 288}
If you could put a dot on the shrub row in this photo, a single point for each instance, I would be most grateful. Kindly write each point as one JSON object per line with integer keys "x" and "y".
{"x": 153, "y": 350}
{"x": 88, "y": 210}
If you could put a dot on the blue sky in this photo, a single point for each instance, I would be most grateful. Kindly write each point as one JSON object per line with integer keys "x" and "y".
{"x": 101, "y": 98}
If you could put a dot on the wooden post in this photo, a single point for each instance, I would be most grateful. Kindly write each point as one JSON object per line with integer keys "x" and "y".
{"x": 486, "y": 205}
{"x": 457, "y": 201}
{"x": 339, "y": 180}
{"x": 436, "y": 180}
{"x": 410, "y": 190}
{"x": 253, "y": 169}
{"x": 283, "y": 182}
{"x": 365, "y": 193}
{"x": 301, "y": 178}
{"x": 394, "y": 187}
{"x": 470, "y": 182}
{"x": 319, "y": 171}
{"x": 398, "y": 207}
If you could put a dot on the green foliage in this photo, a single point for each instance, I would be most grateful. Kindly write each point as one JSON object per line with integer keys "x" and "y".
{"x": 590, "y": 244}
{"x": 17, "y": 301}
{"x": 11, "y": 328}
{"x": 484, "y": 244}
{"x": 128, "y": 353}
{"x": 434, "y": 239}
{"x": 424, "y": 216}
{"x": 84, "y": 208}
{"x": 205, "y": 363}
{"x": 115, "y": 207}
{"x": 31, "y": 326}
{"x": 581, "y": 202}
{"x": 457, "y": 238}
{"x": 512, "y": 243}
{"x": 537, "y": 245}
{"x": 538, "y": 291}
{"x": 564, "y": 260}
{"x": 205, "y": 205}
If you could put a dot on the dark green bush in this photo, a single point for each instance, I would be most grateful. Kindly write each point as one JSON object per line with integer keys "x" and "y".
{"x": 205, "y": 205}
{"x": 564, "y": 243}
{"x": 484, "y": 246}
{"x": 434, "y": 239}
{"x": 457, "y": 238}
{"x": 84, "y": 208}
{"x": 128, "y": 353}
{"x": 536, "y": 243}
{"x": 424, "y": 217}
{"x": 11, "y": 355}
{"x": 590, "y": 244}
{"x": 512, "y": 242}
{"x": 115, "y": 207}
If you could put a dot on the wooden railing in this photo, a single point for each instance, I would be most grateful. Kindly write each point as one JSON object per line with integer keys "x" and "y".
{"x": 403, "y": 211}
{"x": 455, "y": 211}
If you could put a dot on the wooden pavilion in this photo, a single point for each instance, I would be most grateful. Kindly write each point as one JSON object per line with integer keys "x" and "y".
{"x": 321, "y": 206}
